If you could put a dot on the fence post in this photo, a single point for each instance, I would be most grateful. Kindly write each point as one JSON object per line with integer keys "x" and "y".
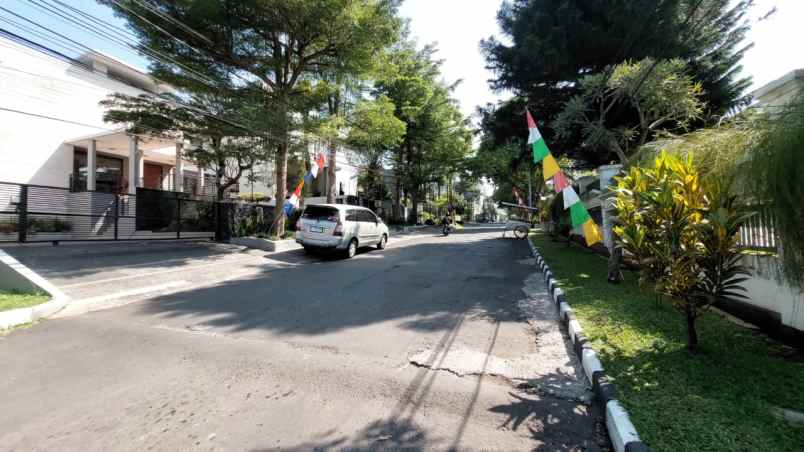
{"x": 116, "y": 213}
{"x": 178, "y": 217}
{"x": 218, "y": 228}
{"x": 22, "y": 211}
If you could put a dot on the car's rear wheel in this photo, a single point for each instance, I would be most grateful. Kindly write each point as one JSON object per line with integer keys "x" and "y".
{"x": 351, "y": 250}
{"x": 383, "y": 242}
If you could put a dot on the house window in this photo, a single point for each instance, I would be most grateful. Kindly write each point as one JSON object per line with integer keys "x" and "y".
{"x": 108, "y": 172}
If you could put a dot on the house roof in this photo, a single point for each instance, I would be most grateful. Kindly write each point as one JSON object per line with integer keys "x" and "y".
{"x": 778, "y": 83}
{"x": 124, "y": 72}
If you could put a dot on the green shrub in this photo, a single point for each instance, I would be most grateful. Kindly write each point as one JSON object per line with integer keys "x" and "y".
{"x": 252, "y": 197}
{"x": 684, "y": 235}
{"x": 48, "y": 225}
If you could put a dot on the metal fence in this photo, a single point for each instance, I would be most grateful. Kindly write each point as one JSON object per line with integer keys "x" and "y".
{"x": 759, "y": 232}
{"x": 37, "y": 213}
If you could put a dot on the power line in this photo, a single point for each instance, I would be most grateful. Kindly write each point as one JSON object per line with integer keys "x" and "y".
{"x": 52, "y": 53}
{"x": 98, "y": 29}
{"x": 172, "y": 19}
{"x": 48, "y": 51}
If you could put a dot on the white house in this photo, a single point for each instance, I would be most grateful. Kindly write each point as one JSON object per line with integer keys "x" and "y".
{"x": 52, "y": 130}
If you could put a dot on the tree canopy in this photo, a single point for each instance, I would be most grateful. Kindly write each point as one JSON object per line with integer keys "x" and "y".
{"x": 273, "y": 49}
{"x": 554, "y": 44}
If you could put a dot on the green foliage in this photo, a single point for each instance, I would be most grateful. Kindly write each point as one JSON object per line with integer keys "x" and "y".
{"x": 718, "y": 399}
{"x": 683, "y": 234}
{"x": 15, "y": 300}
{"x": 46, "y": 225}
{"x": 437, "y": 138}
{"x": 659, "y": 92}
{"x": 270, "y": 53}
{"x": 577, "y": 38}
{"x": 776, "y": 177}
{"x": 253, "y": 197}
{"x": 230, "y": 151}
{"x": 374, "y": 129}
{"x": 720, "y": 152}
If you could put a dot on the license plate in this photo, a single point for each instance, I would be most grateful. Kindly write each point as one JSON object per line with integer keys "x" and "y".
{"x": 316, "y": 229}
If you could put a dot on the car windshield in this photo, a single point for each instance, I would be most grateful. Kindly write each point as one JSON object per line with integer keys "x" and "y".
{"x": 320, "y": 213}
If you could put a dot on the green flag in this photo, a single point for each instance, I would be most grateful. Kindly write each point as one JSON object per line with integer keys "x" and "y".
{"x": 578, "y": 214}
{"x": 540, "y": 150}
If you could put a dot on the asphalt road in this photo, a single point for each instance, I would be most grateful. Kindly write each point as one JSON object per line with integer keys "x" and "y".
{"x": 445, "y": 343}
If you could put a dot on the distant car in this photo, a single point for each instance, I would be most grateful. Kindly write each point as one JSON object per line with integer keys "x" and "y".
{"x": 340, "y": 228}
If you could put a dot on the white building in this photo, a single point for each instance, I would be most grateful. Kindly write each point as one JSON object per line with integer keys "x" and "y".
{"x": 52, "y": 130}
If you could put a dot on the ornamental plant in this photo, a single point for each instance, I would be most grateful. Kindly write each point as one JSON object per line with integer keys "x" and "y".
{"x": 683, "y": 234}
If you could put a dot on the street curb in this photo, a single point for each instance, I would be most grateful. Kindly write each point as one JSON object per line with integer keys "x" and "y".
{"x": 623, "y": 435}
{"x": 20, "y": 316}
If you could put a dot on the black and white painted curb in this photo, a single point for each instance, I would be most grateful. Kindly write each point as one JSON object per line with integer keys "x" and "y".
{"x": 623, "y": 435}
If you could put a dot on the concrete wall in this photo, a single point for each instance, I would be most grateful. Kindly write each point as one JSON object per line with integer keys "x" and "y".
{"x": 346, "y": 174}
{"x": 767, "y": 290}
{"x": 31, "y": 148}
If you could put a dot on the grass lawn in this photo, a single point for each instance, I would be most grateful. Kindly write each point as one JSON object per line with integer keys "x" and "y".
{"x": 717, "y": 400}
{"x": 13, "y": 300}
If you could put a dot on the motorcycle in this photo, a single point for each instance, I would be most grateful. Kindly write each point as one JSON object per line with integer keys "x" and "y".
{"x": 446, "y": 229}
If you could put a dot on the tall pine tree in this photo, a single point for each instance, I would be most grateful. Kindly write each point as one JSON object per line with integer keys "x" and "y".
{"x": 555, "y": 43}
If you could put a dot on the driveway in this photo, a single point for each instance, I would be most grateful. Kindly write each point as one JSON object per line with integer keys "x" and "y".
{"x": 435, "y": 343}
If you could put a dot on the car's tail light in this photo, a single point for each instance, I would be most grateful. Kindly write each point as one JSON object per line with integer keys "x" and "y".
{"x": 338, "y": 231}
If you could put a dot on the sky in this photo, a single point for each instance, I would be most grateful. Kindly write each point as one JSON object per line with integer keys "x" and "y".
{"x": 457, "y": 26}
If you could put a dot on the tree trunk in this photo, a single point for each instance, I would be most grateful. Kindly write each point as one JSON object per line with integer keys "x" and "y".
{"x": 331, "y": 182}
{"x": 692, "y": 333}
{"x": 281, "y": 187}
{"x": 397, "y": 207}
{"x": 615, "y": 275}
{"x": 414, "y": 200}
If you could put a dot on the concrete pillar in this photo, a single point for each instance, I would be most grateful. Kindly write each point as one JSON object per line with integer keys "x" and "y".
{"x": 134, "y": 161}
{"x": 92, "y": 165}
{"x": 201, "y": 180}
{"x": 140, "y": 168}
{"x": 178, "y": 176}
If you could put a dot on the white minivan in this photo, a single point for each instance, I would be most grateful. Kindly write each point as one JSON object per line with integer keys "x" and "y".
{"x": 340, "y": 227}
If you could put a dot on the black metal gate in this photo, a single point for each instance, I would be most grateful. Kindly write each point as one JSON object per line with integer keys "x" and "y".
{"x": 38, "y": 213}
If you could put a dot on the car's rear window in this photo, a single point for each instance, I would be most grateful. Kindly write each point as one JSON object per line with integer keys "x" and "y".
{"x": 320, "y": 213}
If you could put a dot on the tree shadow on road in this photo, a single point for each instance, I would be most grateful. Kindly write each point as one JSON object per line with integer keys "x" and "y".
{"x": 555, "y": 416}
{"x": 425, "y": 285}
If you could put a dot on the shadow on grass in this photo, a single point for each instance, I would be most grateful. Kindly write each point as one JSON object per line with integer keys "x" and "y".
{"x": 717, "y": 399}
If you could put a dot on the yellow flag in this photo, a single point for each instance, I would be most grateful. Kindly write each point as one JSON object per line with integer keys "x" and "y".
{"x": 591, "y": 232}
{"x": 550, "y": 167}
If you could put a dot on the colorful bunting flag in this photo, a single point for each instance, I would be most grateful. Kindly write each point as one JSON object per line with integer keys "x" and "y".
{"x": 550, "y": 167}
{"x": 591, "y": 232}
{"x": 578, "y": 214}
{"x": 292, "y": 203}
{"x": 317, "y": 165}
{"x": 560, "y": 182}
{"x": 540, "y": 150}
{"x": 570, "y": 197}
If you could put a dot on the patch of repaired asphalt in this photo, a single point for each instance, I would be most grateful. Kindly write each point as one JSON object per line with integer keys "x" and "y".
{"x": 552, "y": 369}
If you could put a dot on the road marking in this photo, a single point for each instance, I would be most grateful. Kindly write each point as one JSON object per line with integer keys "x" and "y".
{"x": 82, "y": 306}
{"x": 160, "y": 272}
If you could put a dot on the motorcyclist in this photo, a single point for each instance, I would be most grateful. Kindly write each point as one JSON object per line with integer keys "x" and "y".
{"x": 446, "y": 223}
